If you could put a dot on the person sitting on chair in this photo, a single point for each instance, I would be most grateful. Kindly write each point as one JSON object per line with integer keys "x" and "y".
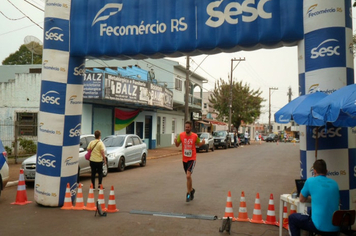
{"x": 325, "y": 198}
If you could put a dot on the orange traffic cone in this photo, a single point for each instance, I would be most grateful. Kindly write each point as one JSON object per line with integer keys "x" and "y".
{"x": 67, "y": 199}
{"x": 257, "y": 215}
{"x": 228, "y": 210}
{"x": 242, "y": 210}
{"x": 112, "y": 202}
{"x": 101, "y": 199}
{"x": 90, "y": 201}
{"x": 79, "y": 203}
{"x": 292, "y": 209}
{"x": 271, "y": 214}
{"x": 21, "y": 196}
{"x": 285, "y": 217}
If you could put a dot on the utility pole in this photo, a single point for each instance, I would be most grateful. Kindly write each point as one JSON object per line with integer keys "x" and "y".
{"x": 269, "y": 113}
{"x": 289, "y": 94}
{"x": 230, "y": 100}
{"x": 186, "y": 117}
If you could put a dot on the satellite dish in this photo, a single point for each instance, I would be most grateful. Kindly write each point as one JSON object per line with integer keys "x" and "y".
{"x": 34, "y": 45}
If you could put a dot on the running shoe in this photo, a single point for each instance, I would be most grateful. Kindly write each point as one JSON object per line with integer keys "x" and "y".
{"x": 188, "y": 198}
{"x": 192, "y": 194}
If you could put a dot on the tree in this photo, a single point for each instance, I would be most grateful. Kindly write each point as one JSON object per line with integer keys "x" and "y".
{"x": 22, "y": 56}
{"x": 246, "y": 103}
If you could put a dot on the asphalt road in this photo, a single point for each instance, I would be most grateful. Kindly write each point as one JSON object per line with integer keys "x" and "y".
{"x": 160, "y": 187}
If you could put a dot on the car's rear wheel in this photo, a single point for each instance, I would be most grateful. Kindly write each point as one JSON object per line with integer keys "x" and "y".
{"x": 105, "y": 168}
{"x": 121, "y": 165}
{"x": 143, "y": 160}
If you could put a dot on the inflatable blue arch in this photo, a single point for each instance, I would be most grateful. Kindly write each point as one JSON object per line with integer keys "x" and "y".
{"x": 78, "y": 29}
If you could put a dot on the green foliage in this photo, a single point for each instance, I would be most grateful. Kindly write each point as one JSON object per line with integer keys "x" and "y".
{"x": 8, "y": 150}
{"x": 246, "y": 103}
{"x": 22, "y": 56}
{"x": 28, "y": 145}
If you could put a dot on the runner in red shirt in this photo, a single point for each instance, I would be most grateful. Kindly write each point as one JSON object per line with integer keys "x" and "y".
{"x": 188, "y": 140}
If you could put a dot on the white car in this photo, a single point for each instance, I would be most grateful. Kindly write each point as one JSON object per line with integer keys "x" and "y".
{"x": 4, "y": 168}
{"x": 29, "y": 165}
{"x": 125, "y": 150}
{"x": 209, "y": 142}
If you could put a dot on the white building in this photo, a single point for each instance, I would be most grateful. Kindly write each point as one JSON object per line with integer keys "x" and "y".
{"x": 157, "y": 126}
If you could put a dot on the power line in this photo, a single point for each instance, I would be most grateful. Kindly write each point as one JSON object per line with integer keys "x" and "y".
{"x": 11, "y": 18}
{"x": 24, "y": 14}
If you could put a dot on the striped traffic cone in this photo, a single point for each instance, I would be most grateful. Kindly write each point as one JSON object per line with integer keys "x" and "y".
{"x": 228, "y": 209}
{"x": 292, "y": 209}
{"x": 257, "y": 215}
{"x": 21, "y": 195}
{"x": 271, "y": 214}
{"x": 242, "y": 210}
{"x": 112, "y": 202}
{"x": 285, "y": 216}
{"x": 67, "y": 200}
{"x": 101, "y": 199}
{"x": 90, "y": 201}
{"x": 79, "y": 203}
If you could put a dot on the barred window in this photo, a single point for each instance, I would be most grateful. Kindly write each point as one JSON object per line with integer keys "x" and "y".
{"x": 178, "y": 84}
{"x": 27, "y": 123}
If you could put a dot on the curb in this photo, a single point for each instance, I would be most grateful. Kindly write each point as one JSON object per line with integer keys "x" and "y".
{"x": 12, "y": 183}
{"x": 15, "y": 183}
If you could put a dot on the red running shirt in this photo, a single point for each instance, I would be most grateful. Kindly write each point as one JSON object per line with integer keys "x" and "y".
{"x": 188, "y": 145}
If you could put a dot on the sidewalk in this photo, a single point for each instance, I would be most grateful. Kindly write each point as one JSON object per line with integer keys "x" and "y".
{"x": 157, "y": 153}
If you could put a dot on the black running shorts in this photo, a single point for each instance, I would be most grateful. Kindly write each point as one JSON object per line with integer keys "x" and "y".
{"x": 189, "y": 166}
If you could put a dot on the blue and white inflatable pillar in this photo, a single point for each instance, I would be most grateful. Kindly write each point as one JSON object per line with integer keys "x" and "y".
{"x": 325, "y": 59}
{"x": 59, "y": 116}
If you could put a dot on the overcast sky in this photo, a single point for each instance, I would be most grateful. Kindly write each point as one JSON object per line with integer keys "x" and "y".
{"x": 261, "y": 69}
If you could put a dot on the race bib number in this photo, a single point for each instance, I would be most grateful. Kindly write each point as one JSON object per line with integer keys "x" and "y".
{"x": 188, "y": 153}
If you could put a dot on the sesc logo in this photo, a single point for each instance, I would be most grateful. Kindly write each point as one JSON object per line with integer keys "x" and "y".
{"x": 113, "y": 9}
{"x": 329, "y": 133}
{"x": 75, "y": 132}
{"x": 80, "y": 70}
{"x": 47, "y": 98}
{"x": 52, "y": 34}
{"x": 46, "y": 160}
{"x": 280, "y": 118}
{"x": 233, "y": 9}
{"x": 323, "y": 49}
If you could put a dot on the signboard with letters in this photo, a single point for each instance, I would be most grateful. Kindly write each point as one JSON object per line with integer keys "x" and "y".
{"x": 113, "y": 87}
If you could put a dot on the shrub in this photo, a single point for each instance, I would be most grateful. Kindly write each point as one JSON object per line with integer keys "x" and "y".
{"x": 28, "y": 145}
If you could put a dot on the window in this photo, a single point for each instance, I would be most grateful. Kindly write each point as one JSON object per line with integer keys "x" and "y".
{"x": 205, "y": 105}
{"x": 27, "y": 124}
{"x": 173, "y": 126}
{"x": 178, "y": 84}
{"x": 163, "y": 125}
{"x": 136, "y": 141}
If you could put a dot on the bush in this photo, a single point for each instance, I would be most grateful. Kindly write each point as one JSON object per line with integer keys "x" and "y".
{"x": 28, "y": 145}
{"x": 8, "y": 150}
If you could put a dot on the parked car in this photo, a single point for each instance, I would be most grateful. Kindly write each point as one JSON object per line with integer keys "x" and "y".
{"x": 272, "y": 138}
{"x": 232, "y": 144}
{"x": 264, "y": 137}
{"x": 4, "y": 168}
{"x": 221, "y": 139}
{"x": 209, "y": 142}
{"x": 125, "y": 150}
{"x": 29, "y": 164}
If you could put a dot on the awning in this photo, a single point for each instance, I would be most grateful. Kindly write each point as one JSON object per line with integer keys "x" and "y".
{"x": 215, "y": 122}
{"x": 202, "y": 122}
